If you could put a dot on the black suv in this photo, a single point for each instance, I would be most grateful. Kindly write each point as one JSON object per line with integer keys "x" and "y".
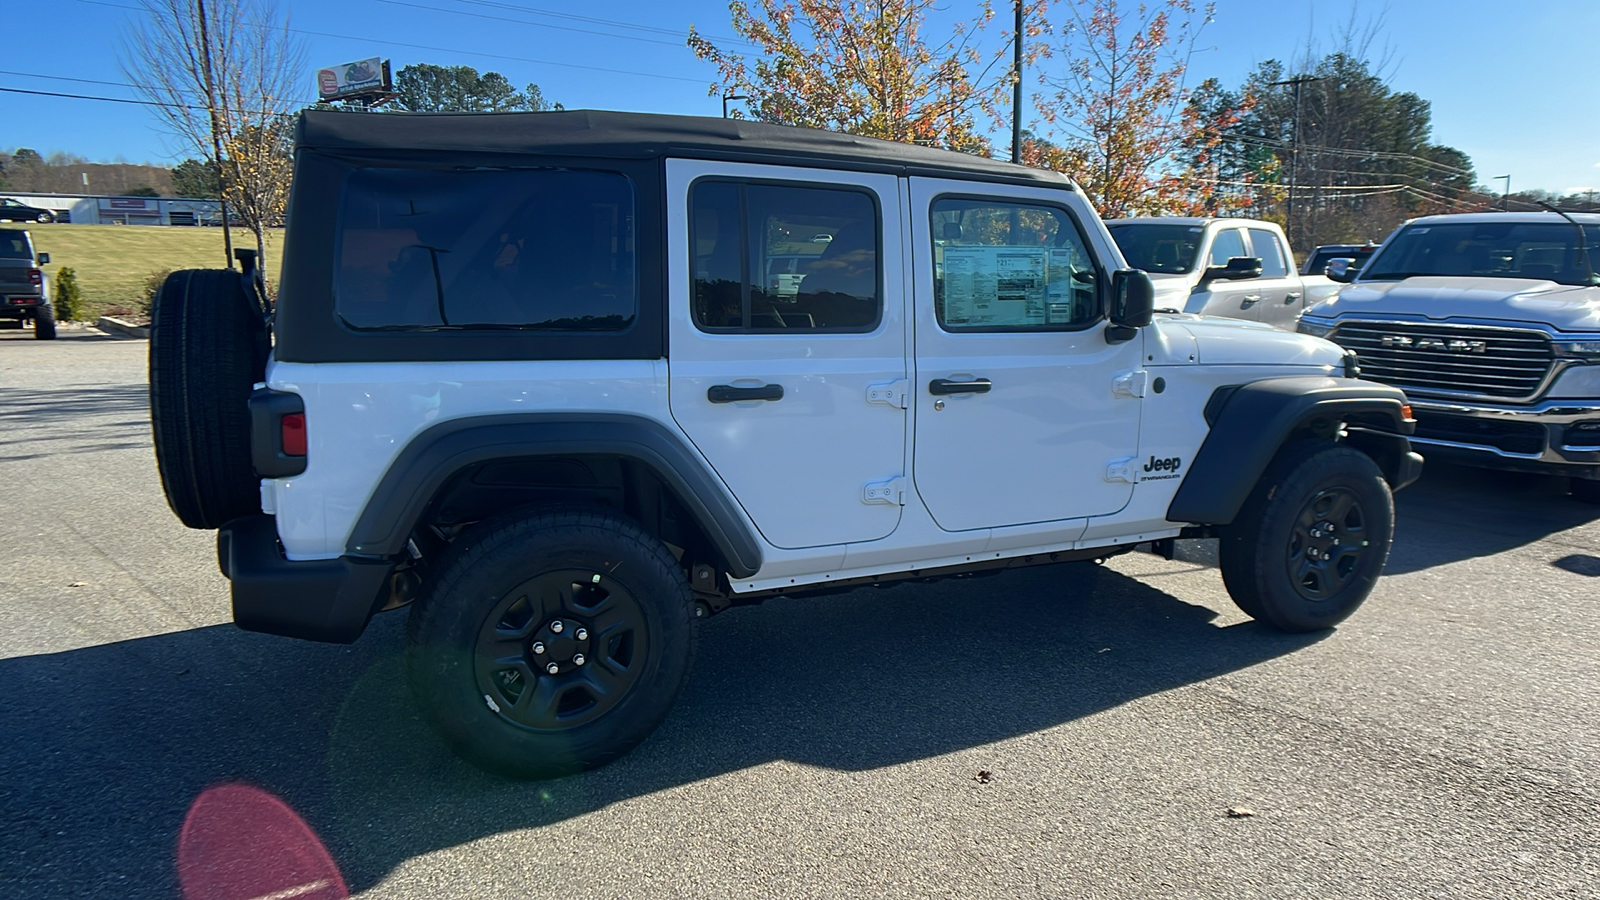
{"x": 24, "y": 296}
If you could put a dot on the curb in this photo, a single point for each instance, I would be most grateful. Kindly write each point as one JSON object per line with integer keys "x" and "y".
{"x": 122, "y": 329}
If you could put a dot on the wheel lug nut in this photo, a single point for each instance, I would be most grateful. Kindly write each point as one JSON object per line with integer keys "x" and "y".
{"x": 538, "y": 647}
{"x": 581, "y": 634}
{"x": 552, "y": 668}
{"x": 556, "y": 626}
{"x": 577, "y": 659}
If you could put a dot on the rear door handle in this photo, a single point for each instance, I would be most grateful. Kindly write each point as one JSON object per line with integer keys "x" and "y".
{"x": 727, "y": 393}
{"x": 947, "y": 386}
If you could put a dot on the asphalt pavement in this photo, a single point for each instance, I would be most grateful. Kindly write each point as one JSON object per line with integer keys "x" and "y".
{"x": 1074, "y": 731}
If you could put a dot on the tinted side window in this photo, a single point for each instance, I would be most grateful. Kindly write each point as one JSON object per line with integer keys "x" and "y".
{"x": 1266, "y": 246}
{"x": 1225, "y": 246}
{"x": 782, "y": 258}
{"x": 1010, "y": 267}
{"x": 486, "y": 249}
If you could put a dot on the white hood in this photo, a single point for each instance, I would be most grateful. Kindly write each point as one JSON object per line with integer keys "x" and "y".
{"x": 1235, "y": 342}
{"x": 1564, "y": 307}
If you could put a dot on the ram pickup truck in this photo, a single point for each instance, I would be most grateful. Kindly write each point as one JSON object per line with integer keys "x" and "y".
{"x": 1239, "y": 268}
{"x": 1490, "y": 323}
{"x": 24, "y": 290}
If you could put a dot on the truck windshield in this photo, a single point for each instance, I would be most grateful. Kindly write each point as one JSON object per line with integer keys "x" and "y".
{"x": 1544, "y": 250}
{"x": 14, "y": 245}
{"x": 1166, "y": 249}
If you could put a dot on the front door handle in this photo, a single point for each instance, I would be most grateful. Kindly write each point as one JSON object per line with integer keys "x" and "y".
{"x": 727, "y": 393}
{"x": 940, "y": 386}
{"x": 1291, "y": 297}
{"x": 1250, "y": 300}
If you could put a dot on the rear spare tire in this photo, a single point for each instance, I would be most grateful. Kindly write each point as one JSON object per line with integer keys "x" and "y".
{"x": 208, "y": 348}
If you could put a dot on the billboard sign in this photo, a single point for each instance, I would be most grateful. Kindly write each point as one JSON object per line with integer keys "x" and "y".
{"x": 366, "y": 76}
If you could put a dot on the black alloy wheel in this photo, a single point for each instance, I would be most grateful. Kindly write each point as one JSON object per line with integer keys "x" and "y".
{"x": 550, "y": 641}
{"x": 1309, "y": 544}
{"x": 561, "y": 649}
{"x": 1327, "y": 543}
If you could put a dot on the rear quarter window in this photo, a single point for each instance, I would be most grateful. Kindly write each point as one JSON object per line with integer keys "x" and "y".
{"x": 486, "y": 249}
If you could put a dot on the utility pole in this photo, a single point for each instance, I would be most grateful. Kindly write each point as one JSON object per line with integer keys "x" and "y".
{"x": 216, "y": 138}
{"x": 1016, "y": 88}
{"x": 1294, "y": 152}
{"x": 1505, "y": 195}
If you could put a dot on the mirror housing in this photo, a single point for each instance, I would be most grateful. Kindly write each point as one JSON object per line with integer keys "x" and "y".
{"x": 1237, "y": 269}
{"x": 1342, "y": 270}
{"x": 1133, "y": 301}
{"x": 44, "y": 259}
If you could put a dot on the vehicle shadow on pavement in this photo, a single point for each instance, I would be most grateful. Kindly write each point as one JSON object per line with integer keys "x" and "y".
{"x": 1456, "y": 512}
{"x": 86, "y": 408}
{"x": 107, "y": 746}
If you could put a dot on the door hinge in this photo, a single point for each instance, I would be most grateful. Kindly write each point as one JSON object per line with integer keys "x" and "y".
{"x": 889, "y": 393}
{"x": 1130, "y": 384}
{"x": 1126, "y": 469}
{"x": 892, "y": 492}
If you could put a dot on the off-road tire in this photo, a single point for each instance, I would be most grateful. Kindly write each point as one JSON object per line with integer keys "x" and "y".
{"x": 1586, "y": 489}
{"x": 1264, "y": 553}
{"x": 44, "y": 325}
{"x": 466, "y": 650}
{"x": 208, "y": 347}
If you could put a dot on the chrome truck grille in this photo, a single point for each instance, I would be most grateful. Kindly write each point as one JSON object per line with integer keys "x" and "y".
{"x": 1507, "y": 363}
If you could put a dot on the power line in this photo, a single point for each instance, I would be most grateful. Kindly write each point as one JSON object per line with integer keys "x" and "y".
{"x": 462, "y": 12}
{"x": 681, "y": 36}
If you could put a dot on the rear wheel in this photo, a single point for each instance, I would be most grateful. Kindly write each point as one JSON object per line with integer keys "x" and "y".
{"x": 1309, "y": 545}
{"x": 1585, "y": 489}
{"x": 551, "y": 642}
{"x": 44, "y": 218}
{"x": 208, "y": 347}
{"x": 44, "y": 325}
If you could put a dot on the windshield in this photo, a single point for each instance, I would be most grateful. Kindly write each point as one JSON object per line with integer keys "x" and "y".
{"x": 1166, "y": 249}
{"x": 1542, "y": 250}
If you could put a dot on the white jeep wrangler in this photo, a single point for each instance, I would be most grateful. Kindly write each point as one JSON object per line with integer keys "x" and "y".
{"x": 565, "y": 382}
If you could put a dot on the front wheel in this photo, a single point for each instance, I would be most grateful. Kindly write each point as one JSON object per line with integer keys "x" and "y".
{"x": 551, "y": 642}
{"x": 1309, "y": 545}
{"x": 44, "y": 218}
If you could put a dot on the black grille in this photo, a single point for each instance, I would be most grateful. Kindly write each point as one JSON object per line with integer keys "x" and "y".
{"x": 1489, "y": 362}
{"x": 1511, "y": 437}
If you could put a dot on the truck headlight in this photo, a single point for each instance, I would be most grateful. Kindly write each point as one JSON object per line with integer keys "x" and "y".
{"x": 1315, "y": 327}
{"x": 1577, "y": 383}
{"x": 1589, "y": 350}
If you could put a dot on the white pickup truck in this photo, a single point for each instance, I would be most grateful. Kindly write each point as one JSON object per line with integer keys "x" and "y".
{"x": 1239, "y": 268}
{"x": 1490, "y": 322}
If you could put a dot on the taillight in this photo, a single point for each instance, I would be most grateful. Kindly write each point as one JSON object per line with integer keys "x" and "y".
{"x": 293, "y": 428}
{"x": 35, "y": 277}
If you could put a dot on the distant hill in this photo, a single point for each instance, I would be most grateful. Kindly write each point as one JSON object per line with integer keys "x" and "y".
{"x": 60, "y": 173}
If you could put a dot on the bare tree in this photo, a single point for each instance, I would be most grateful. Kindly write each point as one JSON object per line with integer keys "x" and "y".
{"x": 222, "y": 75}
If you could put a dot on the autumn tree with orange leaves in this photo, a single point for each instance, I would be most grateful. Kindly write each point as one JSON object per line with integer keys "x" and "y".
{"x": 861, "y": 66}
{"x": 1118, "y": 115}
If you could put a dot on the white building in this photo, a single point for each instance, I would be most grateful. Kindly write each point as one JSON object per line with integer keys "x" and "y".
{"x": 101, "y": 209}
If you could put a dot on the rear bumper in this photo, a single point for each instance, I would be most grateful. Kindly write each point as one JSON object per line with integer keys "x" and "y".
{"x": 318, "y": 600}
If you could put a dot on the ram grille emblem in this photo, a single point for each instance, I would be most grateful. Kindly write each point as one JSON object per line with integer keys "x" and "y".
{"x": 1436, "y": 345}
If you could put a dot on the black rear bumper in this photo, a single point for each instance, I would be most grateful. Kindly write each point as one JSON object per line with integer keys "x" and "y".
{"x": 318, "y": 600}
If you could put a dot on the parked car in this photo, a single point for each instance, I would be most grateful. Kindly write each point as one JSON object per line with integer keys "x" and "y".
{"x": 1239, "y": 268}
{"x": 1490, "y": 322}
{"x": 24, "y": 288}
{"x": 13, "y": 211}
{"x": 548, "y": 400}
{"x": 1318, "y": 259}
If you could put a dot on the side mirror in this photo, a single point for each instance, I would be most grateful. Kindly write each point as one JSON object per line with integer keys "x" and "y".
{"x": 1133, "y": 301}
{"x": 1342, "y": 270}
{"x": 1237, "y": 269}
{"x": 44, "y": 259}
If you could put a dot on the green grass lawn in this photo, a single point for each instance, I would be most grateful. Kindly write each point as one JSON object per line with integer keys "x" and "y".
{"x": 113, "y": 262}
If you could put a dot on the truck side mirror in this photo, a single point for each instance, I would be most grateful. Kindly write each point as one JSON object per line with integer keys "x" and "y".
{"x": 1237, "y": 269}
{"x": 1133, "y": 302}
{"x": 44, "y": 259}
{"x": 1342, "y": 270}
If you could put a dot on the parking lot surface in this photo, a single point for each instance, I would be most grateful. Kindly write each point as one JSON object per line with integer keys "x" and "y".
{"x": 1441, "y": 743}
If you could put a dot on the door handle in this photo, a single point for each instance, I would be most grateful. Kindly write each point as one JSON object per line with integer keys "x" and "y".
{"x": 940, "y": 386}
{"x": 1250, "y": 300}
{"x": 1291, "y": 297}
{"x": 727, "y": 393}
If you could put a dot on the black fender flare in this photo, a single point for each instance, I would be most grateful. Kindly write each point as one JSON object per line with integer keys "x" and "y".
{"x": 437, "y": 454}
{"x": 1251, "y": 422}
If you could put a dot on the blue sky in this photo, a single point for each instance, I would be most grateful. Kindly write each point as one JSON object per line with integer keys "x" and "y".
{"x": 1509, "y": 83}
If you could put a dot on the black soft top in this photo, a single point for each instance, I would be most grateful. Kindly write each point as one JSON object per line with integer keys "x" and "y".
{"x": 621, "y": 135}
